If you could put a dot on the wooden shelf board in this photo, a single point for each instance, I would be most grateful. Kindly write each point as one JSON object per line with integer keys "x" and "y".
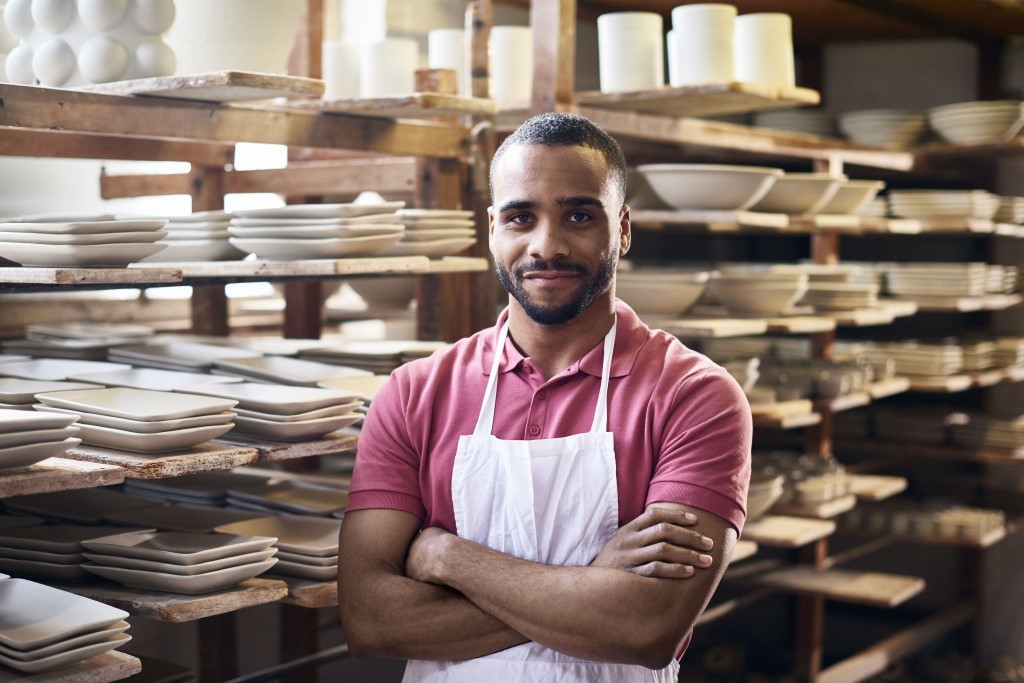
{"x": 711, "y": 221}
{"x": 275, "y": 451}
{"x": 895, "y": 226}
{"x": 876, "y": 487}
{"x": 744, "y": 551}
{"x": 370, "y": 265}
{"x": 414, "y": 106}
{"x": 957, "y": 225}
{"x": 857, "y": 399}
{"x": 924, "y": 451}
{"x": 882, "y": 314}
{"x": 827, "y": 510}
{"x": 58, "y": 474}
{"x": 888, "y": 387}
{"x": 1010, "y": 230}
{"x": 965, "y": 304}
{"x": 945, "y": 384}
{"x": 711, "y": 327}
{"x": 826, "y": 222}
{"x": 988, "y": 540}
{"x": 105, "y": 668}
{"x": 216, "y": 86}
{"x": 313, "y": 594}
{"x": 458, "y": 264}
{"x": 205, "y": 457}
{"x": 778, "y": 531}
{"x": 873, "y": 589}
{"x": 800, "y": 324}
{"x": 946, "y": 151}
{"x": 787, "y": 421}
{"x": 159, "y": 274}
{"x": 176, "y": 608}
{"x": 714, "y": 99}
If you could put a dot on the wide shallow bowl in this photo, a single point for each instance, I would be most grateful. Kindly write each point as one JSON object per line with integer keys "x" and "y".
{"x": 800, "y": 193}
{"x": 762, "y": 496}
{"x": 668, "y": 295}
{"x": 853, "y": 196}
{"x": 761, "y": 299}
{"x": 384, "y": 292}
{"x": 710, "y": 187}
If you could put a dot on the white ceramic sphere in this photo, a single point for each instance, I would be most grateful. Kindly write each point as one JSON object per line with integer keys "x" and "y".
{"x": 53, "y": 62}
{"x": 102, "y": 15}
{"x": 8, "y": 41}
{"x": 19, "y": 66}
{"x": 53, "y": 16}
{"x": 102, "y": 59}
{"x": 18, "y": 17}
{"x": 154, "y": 58}
{"x": 154, "y": 16}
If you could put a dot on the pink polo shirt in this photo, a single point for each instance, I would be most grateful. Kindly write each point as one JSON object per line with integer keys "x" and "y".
{"x": 681, "y": 424}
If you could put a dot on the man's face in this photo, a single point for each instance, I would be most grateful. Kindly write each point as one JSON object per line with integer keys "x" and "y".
{"x": 557, "y": 229}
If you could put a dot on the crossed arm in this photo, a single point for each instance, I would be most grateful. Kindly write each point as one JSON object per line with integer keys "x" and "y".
{"x": 435, "y": 596}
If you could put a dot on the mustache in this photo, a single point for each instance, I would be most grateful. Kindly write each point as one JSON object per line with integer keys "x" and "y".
{"x": 540, "y": 264}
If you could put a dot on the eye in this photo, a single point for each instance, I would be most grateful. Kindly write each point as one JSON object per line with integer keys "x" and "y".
{"x": 518, "y": 219}
{"x": 579, "y": 216}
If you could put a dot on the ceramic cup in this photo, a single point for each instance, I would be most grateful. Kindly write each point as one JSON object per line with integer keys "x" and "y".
{"x": 631, "y": 51}
{"x": 511, "y": 61}
{"x": 388, "y": 67}
{"x": 763, "y": 49}
{"x": 446, "y": 49}
{"x": 340, "y": 70}
{"x": 701, "y": 44}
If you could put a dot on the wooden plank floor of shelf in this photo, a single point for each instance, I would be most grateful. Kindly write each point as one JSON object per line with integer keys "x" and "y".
{"x": 215, "y": 86}
{"x": 957, "y": 226}
{"x": 58, "y": 474}
{"x": 779, "y": 531}
{"x": 414, "y": 106}
{"x": 826, "y": 223}
{"x": 896, "y": 226}
{"x": 785, "y": 415}
{"x": 713, "y": 99}
{"x": 162, "y": 606}
{"x": 986, "y": 541}
{"x": 458, "y": 264}
{"x": 711, "y": 327}
{"x": 925, "y": 451}
{"x": 744, "y": 550}
{"x": 369, "y": 265}
{"x": 965, "y": 304}
{"x": 711, "y": 221}
{"x": 943, "y": 384}
{"x": 826, "y": 510}
{"x": 158, "y": 274}
{"x": 205, "y": 457}
{"x": 873, "y": 589}
{"x": 947, "y": 151}
{"x": 876, "y": 487}
{"x": 888, "y": 387}
{"x": 275, "y": 451}
{"x": 313, "y": 594}
{"x": 105, "y": 668}
{"x": 883, "y": 314}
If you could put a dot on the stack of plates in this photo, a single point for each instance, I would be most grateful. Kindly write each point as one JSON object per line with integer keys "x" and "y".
{"x": 84, "y": 329}
{"x": 840, "y": 295}
{"x": 294, "y": 497}
{"x": 77, "y": 340}
{"x": 44, "y": 628}
{"x": 152, "y": 379}
{"x": 917, "y": 426}
{"x": 198, "y": 237}
{"x": 376, "y": 357}
{"x": 307, "y": 547}
{"x": 179, "y": 562}
{"x": 55, "y": 243}
{"x": 186, "y": 356}
{"x": 876, "y": 208}
{"x": 26, "y": 438}
{"x": 20, "y": 394}
{"x": 365, "y": 387}
{"x": 316, "y": 231}
{"x": 49, "y": 551}
{"x": 281, "y": 370}
{"x": 195, "y": 519}
{"x": 1009, "y": 351}
{"x": 821, "y": 273}
{"x": 142, "y": 421}
{"x": 1011, "y": 210}
{"x": 989, "y": 431}
{"x": 915, "y": 358}
{"x": 972, "y": 123}
{"x": 943, "y": 203}
{"x": 80, "y": 506}
{"x": 888, "y": 128}
{"x": 434, "y": 233}
{"x": 666, "y": 292}
{"x": 283, "y": 413}
{"x": 79, "y": 349}
{"x": 979, "y": 355}
{"x": 56, "y": 369}
{"x": 933, "y": 280}
{"x": 204, "y": 488}
{"x": 811, "y": 121}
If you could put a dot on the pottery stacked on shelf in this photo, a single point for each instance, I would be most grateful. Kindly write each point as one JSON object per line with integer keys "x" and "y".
{"x": 201, "y": 236}
{"x": 943, "y": 203}
{"x": 82, "y": 340}
{"x": 809, "y": 121}
{"x": 927, "y": 518}
{"x": 283, "y": 370}
{"x": 307, "y": 547}
{"x": 179, "y": 562}
{"x": 981, "y": 430}
{"x": 378, "y": 357}
{"x": 665, "y": 292}
{"x": 209, "y": 489}
{"x": 52, "y": 551}
{"x": 923, "y": 281}
{"x": 837, "y": 296}
{"x": 365, "y": 387}
{"x": 294, "y": 497}
{"x": 434, "y": 233}
{"x": 710, "y": 187}
{"x": 44, "y": 628}
{"x": 800, "y": 194}
{"x": 55, "y": 369}
{"x": 1011, "y": 210}
{"x": 754, "y": 290}
{"x": 20, "y": 394}
{"x": 889, "y": 128}
{"x": 853, "y": 197}
{"x": 79, "y": 241}
{"x": 152, "y": 379}
{"x": 918, "y": 358}
{"x": 140, "y": 420}
{"x": 28, "y": 437}
{"x": 973, "y": 123}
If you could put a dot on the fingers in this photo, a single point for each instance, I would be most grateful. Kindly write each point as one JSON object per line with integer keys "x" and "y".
{"x": 674, "y": 554}
{"x": 676, "y": 535}
{"x": 664, "y": 570}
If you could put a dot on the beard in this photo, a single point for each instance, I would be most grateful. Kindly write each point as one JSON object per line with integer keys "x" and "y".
{"x": 593, "y": 287}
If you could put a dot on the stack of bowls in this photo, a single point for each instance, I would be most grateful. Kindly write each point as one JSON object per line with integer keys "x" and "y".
{"x": 756, "y": 291}
{"x": 710, "y": 187}
{"x": 888, "y": 128}
{"x": 972, "y": 123}
{"x": 655, "y": 292}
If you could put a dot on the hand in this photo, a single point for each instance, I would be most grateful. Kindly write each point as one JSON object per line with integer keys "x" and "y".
{"x": 657, "y": 544}
{"x": 427, "y": 548}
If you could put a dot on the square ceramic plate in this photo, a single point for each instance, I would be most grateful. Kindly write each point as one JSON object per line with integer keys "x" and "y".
{"x": 307, "y": 211}
{"x": 13, "y": 358}
{"x": 57, "y": 255}
{"x": 298, "y": 249}
{"x": 366, "y": 387}
{"x": 196, "y": 519}
{"x": 67, "y": 657}
{"x": 332, "y": 411}
{"x": 294, "y": 533}
{"x": 87, "y": 329}
{"x": 174, "y": 583}
{"x": 36, "y": 616}
{"x": 276, "y": 346}
{"x": 40, "y": 556}
{"x": 44, "y": 570}
{"x": 313, "y": 232}
{"x": 177, "y": 547}
{"x": 56, "y": 370}
{"x": 180, "y": 569}
{"x": 142, "y": 426}
{"x": 306, "y": 571}
{"x": 16, "y": 421}
{"x": 211, "y": 485}
{"x": 287, "y": 370}
{"x": 138, "y": 404}
{"x": 58, "y": 227}
{"x": 308, "y": 560}
{"x": 152, "y": 379}
{"x": 431, "y": 248}
{"x": 38, "y": 436}
{"x": 65, "y": 645}
{"x": 54, "y": 538}
{"x": 372, "y": 218}
{"x": 294, "y": 496}
{"x": 84, "y": 506}
{"x": 158, "y": 442}
{"x": 72, "y": 240}
{"x": 293, "y": 431}
{"x": 282, "y": 400}
{"x": 30, "y": 454}
{"x": 183, "y": 353}
{"x": 190, "y": 251}
{"x": 14, "y": 390}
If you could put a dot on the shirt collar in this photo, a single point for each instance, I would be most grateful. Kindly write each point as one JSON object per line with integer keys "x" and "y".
{"x": 630, "y": 336}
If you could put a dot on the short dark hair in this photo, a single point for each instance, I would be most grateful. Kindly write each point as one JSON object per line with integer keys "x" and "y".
{"x": 555, "y": 130}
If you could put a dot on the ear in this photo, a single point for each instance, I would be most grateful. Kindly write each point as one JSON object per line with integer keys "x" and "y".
{"x": 625, "y": 231}
{"x": 490, "y": 224}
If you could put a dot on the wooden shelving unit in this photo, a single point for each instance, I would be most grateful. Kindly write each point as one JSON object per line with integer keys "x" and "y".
{"x": 205, "y": 457}
{"x": 702, "y": 100}
{"x": 104, "y": 668}
{"x": 58, "y": 474}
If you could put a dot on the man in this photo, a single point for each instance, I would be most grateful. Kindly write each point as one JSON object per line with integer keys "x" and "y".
{"x": 579, "y": 479}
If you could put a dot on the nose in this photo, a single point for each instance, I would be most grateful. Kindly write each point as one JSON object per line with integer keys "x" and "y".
{"x": 548, "y": 241}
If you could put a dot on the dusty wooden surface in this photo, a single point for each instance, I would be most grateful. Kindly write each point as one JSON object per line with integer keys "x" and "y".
{"x": 827, "y": 510}
{"x": 178, "y": 608}
{"x": 216, "y": 86}
{"x": 311, "y": 594}
{"x": 713, "y": 99}
{"x": 58, "y": 474}
{"x": 205, "y": 457}
{"x": 413, "y": 106}
{"x": 272, "y": 451}
{"x": 874, "y": 589}
{"x": 778, "y": 531}
{"x": 712, "y": 327}
{"x": 875, "y": 487}
{"x": 159, "y": 274}
{"x": 305, "y": 269}
{"x": 104, "y": 668}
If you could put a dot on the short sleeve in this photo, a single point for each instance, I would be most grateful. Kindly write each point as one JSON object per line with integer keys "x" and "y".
{"x": 387, "y": 469}
{"x": 704, "y": 459}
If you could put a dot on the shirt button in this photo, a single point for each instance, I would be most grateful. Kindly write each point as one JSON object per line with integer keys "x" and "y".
{"x": 534, "y": 430}
{"x": 541, "y": 395}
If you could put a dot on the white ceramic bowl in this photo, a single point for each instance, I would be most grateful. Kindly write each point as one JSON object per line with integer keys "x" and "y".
{"x": 853, "y": 196}
{"x": 800, "y": 193}
{"x": 890, "y": 128}
{"x": 764, "y": 298}
{"x": 762, "y": 495}
{"x": 384, "y": 292}
{"x": 669, "y": 297}
{"x": 710, "y": 187}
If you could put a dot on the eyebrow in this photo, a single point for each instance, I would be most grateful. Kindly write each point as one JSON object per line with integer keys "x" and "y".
{"x": 520, "y": 204}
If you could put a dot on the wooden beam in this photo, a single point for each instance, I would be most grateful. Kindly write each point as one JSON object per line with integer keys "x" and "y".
{"x": 35, "y": 108}
{"x": 810, "y": 625}
{"x": 554, "y": 53}
{"x": 479, "y": 20}
{"x": 38, "y": 143}
{"x": 121, "y": 186}
{"x": 210, "y": 314}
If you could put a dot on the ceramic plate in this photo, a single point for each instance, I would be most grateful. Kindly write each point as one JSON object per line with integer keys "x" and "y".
{"x": 16, "y": 406}
{"x": 297, "y": 497}
{"x": 13, "y": 358}
{"x": 180, "y": 569}
{"x": 12, "y": 439}
{"x": 24, "y": 456}
{"x": 202, "y": 235}
{"x": 287, "y": 370}
{"x": 211, "y": 485}
{"x": 145, "y": 427}
{"x": 368, "y": 219}
{"x": 308, "y": 560}
{"x": 103, "y": 238}
{"x": 158, "y": 442}
{"x": 56, "y": 369}
{"x": 183, "y": 353}
{"x": 40, "y": 556}
{"x": 296, "y": 249}
{"x": 138, "y": 404}
{"x": 149, "y": 378}
{"x": 195, "y": 519}
{"x": 333, "y": 411}
{"x": 65, "y": 645}
{"x": 43, "y": 570}
{"x": 429, "y": 214}
{"x": 177, "y": 547}
{"x": 67, "y": 657}
{"x": 16, "y": 421}
{"x": 51, "y": 217}
{"x": 366, "y": 387}
{"x": 174, "y": 583}
{"x": 294, "y": 533}
{"x": 292, "y": 431}
{"x": 306, "y": 571}
{"x": 433, "y": 248}
{"x": 36, "y": 616}
{"x": 317, "y": 231}
{"x": 276, "y": 346}
{"x": 59, "y": 256}
{"x": 191, "y": 251}
{"x": 87, "y": 329}
{"x": 84, "y": 227}
{"x": 307, "y": 211}
{"x": 84, "y": 506}
{"x": 53, "y": 538}
{"x": 282, "y": 400}
{"x": 202, "y": 217}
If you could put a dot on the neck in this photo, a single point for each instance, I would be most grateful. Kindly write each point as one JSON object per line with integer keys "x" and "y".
{"x": 553, "y": 348}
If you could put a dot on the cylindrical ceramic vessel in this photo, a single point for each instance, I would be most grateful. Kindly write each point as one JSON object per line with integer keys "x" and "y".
{"x": 701, "y": 44}
{"x": 763, "y": 49}
{"x": 631, "y": 48}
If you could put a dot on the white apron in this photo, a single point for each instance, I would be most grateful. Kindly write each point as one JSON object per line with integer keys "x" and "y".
{"x": 553, "y": 501}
